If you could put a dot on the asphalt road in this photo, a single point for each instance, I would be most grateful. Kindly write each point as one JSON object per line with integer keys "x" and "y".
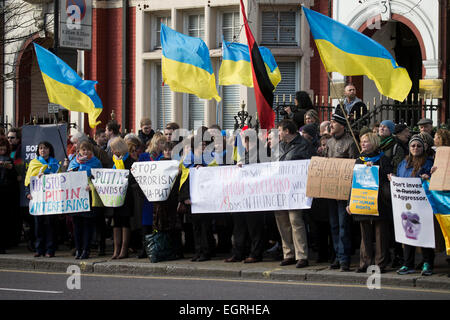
{"x": 31, "y": 285}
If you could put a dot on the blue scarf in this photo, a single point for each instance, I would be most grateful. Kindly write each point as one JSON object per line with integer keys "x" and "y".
{"x": 373, "y": 159}
{"x": 93, "y": 162}
{"x": 52, "y": 164}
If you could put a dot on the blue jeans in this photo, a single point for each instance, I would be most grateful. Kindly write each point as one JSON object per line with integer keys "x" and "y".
{"x": 340, "y": 222}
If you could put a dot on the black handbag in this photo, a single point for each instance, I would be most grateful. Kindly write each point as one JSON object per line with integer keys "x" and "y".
{"x": 158, "y": 246}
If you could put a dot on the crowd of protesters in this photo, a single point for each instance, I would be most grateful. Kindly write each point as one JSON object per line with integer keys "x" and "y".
{"x": 329, "y": 228}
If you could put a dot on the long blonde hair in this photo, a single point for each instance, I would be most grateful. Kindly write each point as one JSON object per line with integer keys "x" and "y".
{"x": 155, "y": 141}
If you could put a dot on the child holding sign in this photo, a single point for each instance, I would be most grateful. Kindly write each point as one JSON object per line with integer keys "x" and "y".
{"x": 84, "y": 223}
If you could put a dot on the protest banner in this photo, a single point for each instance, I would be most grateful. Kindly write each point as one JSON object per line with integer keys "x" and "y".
{"x": 364, "y": 194}
{"x": 250, "y": 188}
{"x": 330, "y": 178}
{"x": 31, "y": 136}
{"x": 440, "y": 180}
{"x": 413, "y": 215}
{"x": 111, "y": 185}
{"x": 156, "y": 178}
{"x": 59, "y": 193}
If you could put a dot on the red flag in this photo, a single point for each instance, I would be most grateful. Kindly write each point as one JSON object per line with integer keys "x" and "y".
{"x": 261, "y": 81}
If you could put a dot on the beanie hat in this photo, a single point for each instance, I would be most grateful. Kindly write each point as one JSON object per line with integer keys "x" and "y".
{"x": 390, "y": 124}
{"x": 339, "y": 118}
{"x": 417, "y": 138}
{"x": 310, "y": 129}
{"x": 399, "y": 128}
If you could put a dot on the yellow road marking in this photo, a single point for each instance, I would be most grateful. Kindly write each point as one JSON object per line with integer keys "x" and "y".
{"x": 286, "y": 282}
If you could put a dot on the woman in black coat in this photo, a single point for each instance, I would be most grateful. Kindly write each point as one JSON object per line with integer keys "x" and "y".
{"x": 8, "y": 184}
{"x": 122, "y": 215}
{"x": 377, "y": 226}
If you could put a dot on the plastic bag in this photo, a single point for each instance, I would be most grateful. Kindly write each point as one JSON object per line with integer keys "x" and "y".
{"x": 158, "y": 246}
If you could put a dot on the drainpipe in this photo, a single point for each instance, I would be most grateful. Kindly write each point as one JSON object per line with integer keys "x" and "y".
{"x": 124, "y": 63}
{"x": 2, "y": 32}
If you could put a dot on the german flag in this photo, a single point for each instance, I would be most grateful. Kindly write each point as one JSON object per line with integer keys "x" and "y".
{"x": 261, "y": 81}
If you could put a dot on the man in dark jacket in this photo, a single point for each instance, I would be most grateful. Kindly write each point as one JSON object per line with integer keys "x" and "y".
{"x": 146, "y": 133}
{"x": 290, "y": 222}
{"x": 341, "y": 145}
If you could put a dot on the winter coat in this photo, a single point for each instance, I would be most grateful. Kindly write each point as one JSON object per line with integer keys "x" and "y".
{"x": 342, "y": 147}
{"x": 384, "y": 189}
{"x": 297, "y": 149}
{"x": 126, "y": 210}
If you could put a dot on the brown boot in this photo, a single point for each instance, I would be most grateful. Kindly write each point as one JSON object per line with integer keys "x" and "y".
{"x": 117, "y": 234}
{"x": 126, "y": 235}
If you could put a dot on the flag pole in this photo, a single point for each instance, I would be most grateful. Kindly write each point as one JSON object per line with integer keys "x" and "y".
{"x": 341, "y": 104}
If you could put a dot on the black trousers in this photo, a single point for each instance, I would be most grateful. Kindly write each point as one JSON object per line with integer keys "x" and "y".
{"x": 84, "y": 229}
{"x": 248, "y": 233}
{"x": 410, "y": 256}
{"x": 203, "y": 235}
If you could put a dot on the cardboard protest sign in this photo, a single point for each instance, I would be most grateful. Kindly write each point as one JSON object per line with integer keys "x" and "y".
{"x": 330, "y": 178}
{"x": 31, "y": 136}
{"x": 413, "y": 215}
{"x": 59, "y": 193}
{"x": 251, "y": 188}
{"x": 155, "y": 178}
{"x": 111, "y": 185}
{"x": 440, "y": 179}
{"x": 364, "y": 194}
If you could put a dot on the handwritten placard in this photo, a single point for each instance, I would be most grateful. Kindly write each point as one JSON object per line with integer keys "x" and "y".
{"x": 111, "y": 185}
{"x": 155, "y": 178}
{"x": 440, "y": 179}
{"x": 256, "y": 187}
{"x": 413, "y": 215}
{"x": 59, "y": 193}
{"x": 330, "y": 178}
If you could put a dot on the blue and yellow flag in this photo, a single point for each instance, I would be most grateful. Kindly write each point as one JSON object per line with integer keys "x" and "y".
{"x": 236, "y": 67}
{"x": 440, "y": 202}
{"x": 349, "y": 52}
{"x": 65, "y": 87}
{"x": 186, "y": 65}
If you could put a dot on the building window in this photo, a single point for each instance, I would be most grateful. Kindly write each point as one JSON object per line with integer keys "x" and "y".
{"x": 164, "y": 107}
{"x": 230, "y": 105}
{"x": 196, "y": 112}
{"x": 230, "y": 27}
{"x": 196, "y": 26}
{"x": 287, "y": 85}
{"x": 279, "y": 28}
{"x": 159, "y": 21}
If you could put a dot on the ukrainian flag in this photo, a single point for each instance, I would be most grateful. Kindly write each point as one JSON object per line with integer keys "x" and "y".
{"x": 65, "y": 87}
{"x": 186, "y": 66}
{"x": 440, "y": 202}
{"x": 349, "y": 52}
{"x": 236, "y": 66}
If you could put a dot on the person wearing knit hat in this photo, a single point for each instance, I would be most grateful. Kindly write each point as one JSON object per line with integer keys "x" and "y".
{"x": 340, "y": 145}
{"x": 387, "y": 141}
{"x": 339, "y": 118}
{"x": 416, "y": 165}
{"x": 386, "y": 124}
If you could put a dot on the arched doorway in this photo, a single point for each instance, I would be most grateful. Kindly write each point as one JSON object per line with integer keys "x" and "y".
{"x": 403, "y": 45}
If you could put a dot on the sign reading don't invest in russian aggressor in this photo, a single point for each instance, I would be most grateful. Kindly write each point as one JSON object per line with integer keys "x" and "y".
{"x": 59, "y": 193}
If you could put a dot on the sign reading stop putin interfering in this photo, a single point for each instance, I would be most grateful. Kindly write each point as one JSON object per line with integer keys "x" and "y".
{"x": 111, "y": 185}
{"x": 256, "y": 187}
{"x": 59, "y": 193}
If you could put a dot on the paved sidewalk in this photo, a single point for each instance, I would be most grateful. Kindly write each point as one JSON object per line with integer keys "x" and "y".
{"x": 20, "y": 258}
